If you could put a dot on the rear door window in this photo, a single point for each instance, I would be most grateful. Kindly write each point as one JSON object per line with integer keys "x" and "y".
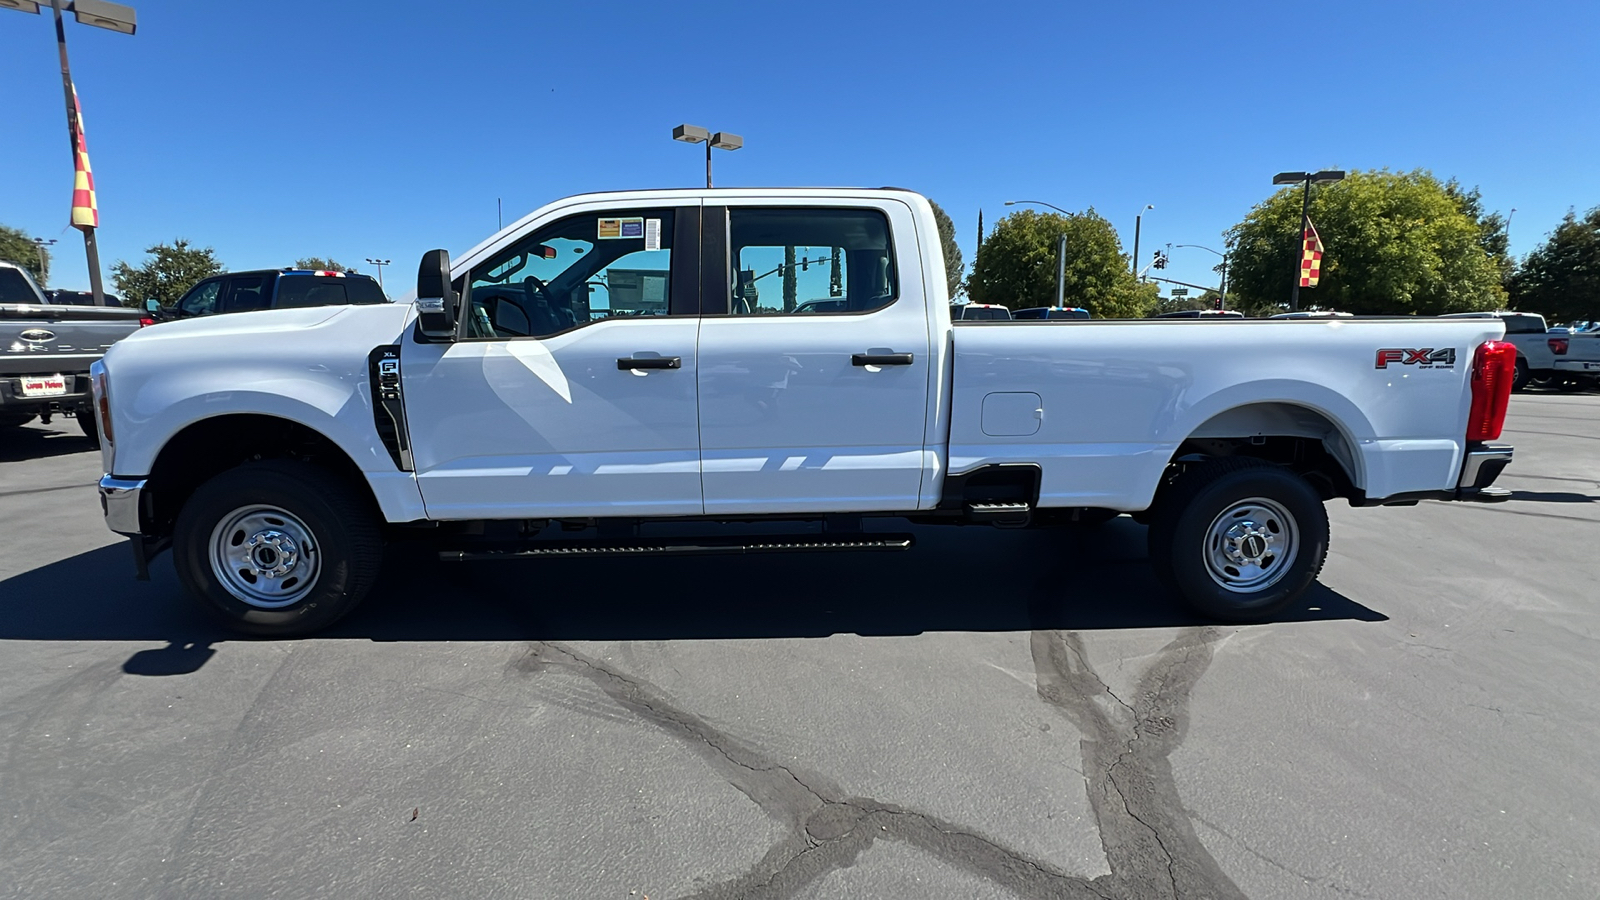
{"x": 246, "y": 292}
{"x": 810, "y": 261}
{"x": 14, "y": 287}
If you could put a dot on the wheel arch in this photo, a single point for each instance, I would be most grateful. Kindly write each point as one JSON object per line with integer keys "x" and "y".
{"x": 1309, "y": 439}
{"x": 208, "y": 447}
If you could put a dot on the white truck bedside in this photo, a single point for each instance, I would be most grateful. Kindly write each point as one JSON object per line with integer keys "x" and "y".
{"x": 614, "y": 361}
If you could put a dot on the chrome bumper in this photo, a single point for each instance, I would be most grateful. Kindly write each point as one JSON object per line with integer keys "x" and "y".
{"x": 1478, "y": 472}
{"x": 120, "y": 501}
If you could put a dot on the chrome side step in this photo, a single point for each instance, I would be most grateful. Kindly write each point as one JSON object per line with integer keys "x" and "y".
{"x": 1003, "y": 514}
{"x": 688, "y": 547}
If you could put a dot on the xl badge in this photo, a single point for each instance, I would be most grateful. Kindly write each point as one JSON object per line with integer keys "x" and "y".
{"x": 1426, "y": 358}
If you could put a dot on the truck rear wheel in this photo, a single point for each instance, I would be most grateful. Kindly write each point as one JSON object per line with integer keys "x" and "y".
{"x": 277, "y": 548}
{"x": 1239, "y": 539}
{"x": 14, "y": 419}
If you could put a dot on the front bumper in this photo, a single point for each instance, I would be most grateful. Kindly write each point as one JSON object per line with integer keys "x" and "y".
{"x": 122, "y": 501}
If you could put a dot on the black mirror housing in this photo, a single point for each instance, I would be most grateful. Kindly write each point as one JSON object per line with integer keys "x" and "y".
{"x": 436, "y": 300}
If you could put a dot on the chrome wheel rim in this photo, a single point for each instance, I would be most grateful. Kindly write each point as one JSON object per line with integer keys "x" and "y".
{"x": 1251, "y": 545}
{"x": 265, "y": 556}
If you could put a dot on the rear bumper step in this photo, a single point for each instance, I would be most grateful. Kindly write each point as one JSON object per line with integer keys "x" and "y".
{"x": 688, "y": 547}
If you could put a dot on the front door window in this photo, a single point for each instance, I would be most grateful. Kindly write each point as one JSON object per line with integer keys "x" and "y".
{"x": 580, "y": 270}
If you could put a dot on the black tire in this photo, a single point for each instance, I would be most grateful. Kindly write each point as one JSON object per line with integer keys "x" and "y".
{"x": 15, "y": 419}
{"x": 1184, "y": 542}
{"x": 89, "y": 425}
{"x": 1519, "y": 380}
{"x": 339, "y": 543}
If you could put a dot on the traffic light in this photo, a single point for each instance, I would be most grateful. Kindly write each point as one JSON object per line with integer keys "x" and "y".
{"x": 1216, "y": 303}
{"x": 1160, "y": 260}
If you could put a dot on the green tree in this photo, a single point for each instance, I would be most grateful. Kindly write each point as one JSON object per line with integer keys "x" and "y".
{"x": 1494, "y": 234}
{"x": 1016, "y": 266}
{"x": 324, "y": 265}
{"x": 1394, "y": 243}
{"x": 167, "y": 274}
{"x": 1561, "y": 277}
{"x": 17, "y": 246}
{"x": 954, "y": 267}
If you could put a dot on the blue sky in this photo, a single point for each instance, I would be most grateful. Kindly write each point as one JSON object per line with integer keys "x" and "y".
{"x": 271, "y": 131}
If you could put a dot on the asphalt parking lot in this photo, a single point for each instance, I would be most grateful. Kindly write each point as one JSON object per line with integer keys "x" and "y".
{"x": 993, "y": 714}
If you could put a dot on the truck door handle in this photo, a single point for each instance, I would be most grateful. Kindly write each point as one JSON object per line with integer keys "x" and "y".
{"x": 881, "y": 359}
{"x": 649, "y": 362}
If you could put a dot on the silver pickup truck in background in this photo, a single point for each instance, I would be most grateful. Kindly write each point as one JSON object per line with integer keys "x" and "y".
{"x": 46, "y": 350}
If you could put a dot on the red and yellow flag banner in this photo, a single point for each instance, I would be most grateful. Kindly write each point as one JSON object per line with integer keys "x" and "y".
{"x": 1311, "y": 258}
{"x": 85, "y": 211}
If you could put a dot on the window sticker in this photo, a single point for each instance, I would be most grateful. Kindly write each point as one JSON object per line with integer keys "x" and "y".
{"x": 652, "y": 234}
{"x": 621, "y": 229}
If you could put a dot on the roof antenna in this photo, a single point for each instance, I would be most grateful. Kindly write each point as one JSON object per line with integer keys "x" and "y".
{"x": 499, "y": 221}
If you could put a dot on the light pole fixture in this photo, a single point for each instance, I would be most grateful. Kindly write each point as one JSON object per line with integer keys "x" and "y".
{"x": 1136, "y": 222}
{"x": 380, "y": 263}
{"x": 1039, "y": 203}
{"x": 694, "y": 134}
{"x": 1222, "y": 292}
{"x": 1326, "y": 176}
{"x": 41, "y": 243}
{"x": 112, "y": 17}
{"x": 1061, "y": 251}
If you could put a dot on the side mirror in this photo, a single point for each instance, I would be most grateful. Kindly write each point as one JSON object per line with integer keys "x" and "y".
{"x": 152, "y": 305}
{"x": 436, "y": 300}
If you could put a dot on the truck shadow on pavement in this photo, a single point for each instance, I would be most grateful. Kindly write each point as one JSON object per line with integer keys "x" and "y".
{"x": 976, "y": 579}
{"x": 42, "y": 441}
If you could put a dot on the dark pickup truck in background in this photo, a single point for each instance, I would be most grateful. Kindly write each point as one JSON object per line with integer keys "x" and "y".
{"x": 46, "y": 350}
{"x": 273, "y": 289}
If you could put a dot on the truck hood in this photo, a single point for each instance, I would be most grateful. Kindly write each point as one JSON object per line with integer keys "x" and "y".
{"x": 263, "y": 337}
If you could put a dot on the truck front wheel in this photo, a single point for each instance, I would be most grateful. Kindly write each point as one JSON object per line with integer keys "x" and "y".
{"x": 277, "y": 548}
{"x": 1239, "y": 539}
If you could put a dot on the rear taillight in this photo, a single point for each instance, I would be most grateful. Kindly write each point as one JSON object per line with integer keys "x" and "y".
{"x": 146, "y": 322}
{"x": 1558, "y": 346}
{"x": 1494, "y": 367}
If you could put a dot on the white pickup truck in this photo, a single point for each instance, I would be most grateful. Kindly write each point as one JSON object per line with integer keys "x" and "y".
{"x": 615, "y": 361}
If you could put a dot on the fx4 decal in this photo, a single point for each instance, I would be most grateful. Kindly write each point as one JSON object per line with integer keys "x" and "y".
{"x": 1426, "y": 358}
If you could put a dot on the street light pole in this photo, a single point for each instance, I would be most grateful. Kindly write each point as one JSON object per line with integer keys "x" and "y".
{"x": 722, "y": 140}
{"x": 90, "y": 248}
{"x": 1136, "y": 223}
{"x": 1222, "y": 292}
{"x": 380, "y": 263}
{"x": 1324, "y": 177}
{"x": 1061, "y": 251}
{"x": 44, "y": 267}
{"x": 100, "y": 14}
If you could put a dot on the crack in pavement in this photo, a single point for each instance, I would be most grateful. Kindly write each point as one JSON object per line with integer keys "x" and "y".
{"x": 1151, "y": 846}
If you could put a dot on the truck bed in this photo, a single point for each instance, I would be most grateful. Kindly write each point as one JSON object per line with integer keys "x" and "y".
{"x": 1115, "y": 399}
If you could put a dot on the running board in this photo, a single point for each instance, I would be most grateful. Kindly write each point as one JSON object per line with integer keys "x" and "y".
{"x": 688, "y": 547}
